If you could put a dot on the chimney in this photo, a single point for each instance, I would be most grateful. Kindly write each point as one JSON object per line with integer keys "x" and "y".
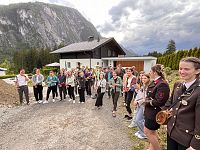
{"x": 90, "y": 38}
{"x": 98, "y": 39}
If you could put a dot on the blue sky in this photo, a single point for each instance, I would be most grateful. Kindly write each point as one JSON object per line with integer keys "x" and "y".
{"x": 141, "y": 25}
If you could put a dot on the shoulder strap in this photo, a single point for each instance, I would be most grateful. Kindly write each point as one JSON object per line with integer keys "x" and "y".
{"x": 187, "y": 92}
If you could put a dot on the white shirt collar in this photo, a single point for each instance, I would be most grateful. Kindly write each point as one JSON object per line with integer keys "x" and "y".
{"x": 189, "y": 83}
{"x": 157, "y": 78}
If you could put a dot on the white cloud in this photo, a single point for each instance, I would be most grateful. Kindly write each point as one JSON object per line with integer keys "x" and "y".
{"x": 141, "y": 25}
{"x": 149, "y": 25}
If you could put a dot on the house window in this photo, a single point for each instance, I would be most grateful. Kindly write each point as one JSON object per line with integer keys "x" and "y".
{"x": 68, "y": 64}
{"x": 78, "y": 64}
{"x": 97, "y": 63}
{"x": 102, "y": 64}
{"x": 109, "y": 52}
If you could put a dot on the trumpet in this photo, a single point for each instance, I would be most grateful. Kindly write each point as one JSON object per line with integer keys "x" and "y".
{"x": 162, "y": 117}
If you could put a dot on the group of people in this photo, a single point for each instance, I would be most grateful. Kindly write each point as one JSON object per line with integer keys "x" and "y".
{"x": 182, "y": 106}
{"x": 149, "y": 92}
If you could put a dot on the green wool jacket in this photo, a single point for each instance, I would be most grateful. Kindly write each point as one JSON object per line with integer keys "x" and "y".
{"x": 118, "y": 84}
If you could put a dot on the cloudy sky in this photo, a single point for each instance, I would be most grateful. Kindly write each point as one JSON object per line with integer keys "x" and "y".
{"x": 141, "y": 25}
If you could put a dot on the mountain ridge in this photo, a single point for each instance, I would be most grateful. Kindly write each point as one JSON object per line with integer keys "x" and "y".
{"x": 42, "y": 25}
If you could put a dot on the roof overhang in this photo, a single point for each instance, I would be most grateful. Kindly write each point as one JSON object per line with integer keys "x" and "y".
{"x": 67, "y": 49}
{"x": 3, "y": 69}
{"x": 129, "y": 58}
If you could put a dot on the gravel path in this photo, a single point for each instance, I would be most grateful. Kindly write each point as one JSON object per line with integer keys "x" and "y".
{"x": 63, "y": 126}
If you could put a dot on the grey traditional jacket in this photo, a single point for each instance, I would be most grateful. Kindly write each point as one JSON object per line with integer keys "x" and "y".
{"x": 37, "y": 80}
{"x": 102, "y": 84}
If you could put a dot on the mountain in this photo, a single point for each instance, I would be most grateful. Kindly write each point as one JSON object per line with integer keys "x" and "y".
{"x": 39, "y": 25}
{"x": 129, "y": 53}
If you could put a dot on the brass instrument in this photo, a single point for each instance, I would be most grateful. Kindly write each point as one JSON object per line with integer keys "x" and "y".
{"x": 162, "y": 117}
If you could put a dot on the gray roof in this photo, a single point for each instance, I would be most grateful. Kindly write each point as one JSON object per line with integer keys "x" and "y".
{"x": 84, "y": 46}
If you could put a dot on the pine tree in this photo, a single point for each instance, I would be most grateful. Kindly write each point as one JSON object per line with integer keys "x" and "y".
{"x": 171, "y": 47}
{"x": 189, "y": 53}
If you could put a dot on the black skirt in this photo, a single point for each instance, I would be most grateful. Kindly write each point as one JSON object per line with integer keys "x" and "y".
{"x": 151, "y": 124}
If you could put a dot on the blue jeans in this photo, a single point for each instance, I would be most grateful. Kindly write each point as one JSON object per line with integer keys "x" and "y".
{"x": 133, "y": 123}
{"x": 139, "y": 119}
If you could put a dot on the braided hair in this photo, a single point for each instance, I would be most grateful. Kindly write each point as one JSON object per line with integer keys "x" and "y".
{"x": 159, "y": 69}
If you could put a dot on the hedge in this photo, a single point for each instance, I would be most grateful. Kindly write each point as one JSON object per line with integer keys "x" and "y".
{"x": 7, "y": 76}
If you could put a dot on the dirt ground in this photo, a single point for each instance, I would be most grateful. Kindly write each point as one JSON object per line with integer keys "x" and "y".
{"x": 8, "y": 94}
{"x": 63, "y": 126}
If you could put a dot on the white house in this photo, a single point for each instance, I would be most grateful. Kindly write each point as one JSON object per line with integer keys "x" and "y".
{"x": 3, "y": 71}
{"x": 102, "y": 52}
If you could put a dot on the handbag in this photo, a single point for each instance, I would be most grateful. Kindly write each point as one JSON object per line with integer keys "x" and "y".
{"x": 43, "y": 84}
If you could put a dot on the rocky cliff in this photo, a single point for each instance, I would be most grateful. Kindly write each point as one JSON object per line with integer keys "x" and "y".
{"x": 37, "y": 25}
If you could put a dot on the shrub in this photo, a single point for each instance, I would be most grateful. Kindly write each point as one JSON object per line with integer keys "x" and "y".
{"x": 168, "y": 71}
{"x": 7, "y": 76}
{"x": 45, "y": 70}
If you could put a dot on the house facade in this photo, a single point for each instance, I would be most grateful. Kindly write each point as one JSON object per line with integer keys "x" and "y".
{"x": 104, "y": 52}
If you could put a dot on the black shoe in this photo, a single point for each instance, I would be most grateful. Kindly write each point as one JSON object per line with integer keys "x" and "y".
{"x": 130, "y": 118}
{"x": 126, "y": 116}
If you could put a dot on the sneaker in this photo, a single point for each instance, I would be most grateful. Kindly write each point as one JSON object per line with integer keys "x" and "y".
{"x": 114, "y": 114}
{"x": 70, "y": 100}
{"x": 74, "y": 102}
{"x": 82, "y": 102}
{"x": 40, "y": 101}
{"x": 53, "y": 100}
{"x": 137, "y": 133}
{"x": 141, "y": 137}
{"x": 45, "y": 102}
{"x": 76, "y": 95}
{"x": 93, "y": 97}
{"x": 79, "y": 102}
{"x": 132, "y": 126}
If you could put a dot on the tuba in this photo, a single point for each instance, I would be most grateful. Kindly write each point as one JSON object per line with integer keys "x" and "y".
{"x": 162, "y": 117}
